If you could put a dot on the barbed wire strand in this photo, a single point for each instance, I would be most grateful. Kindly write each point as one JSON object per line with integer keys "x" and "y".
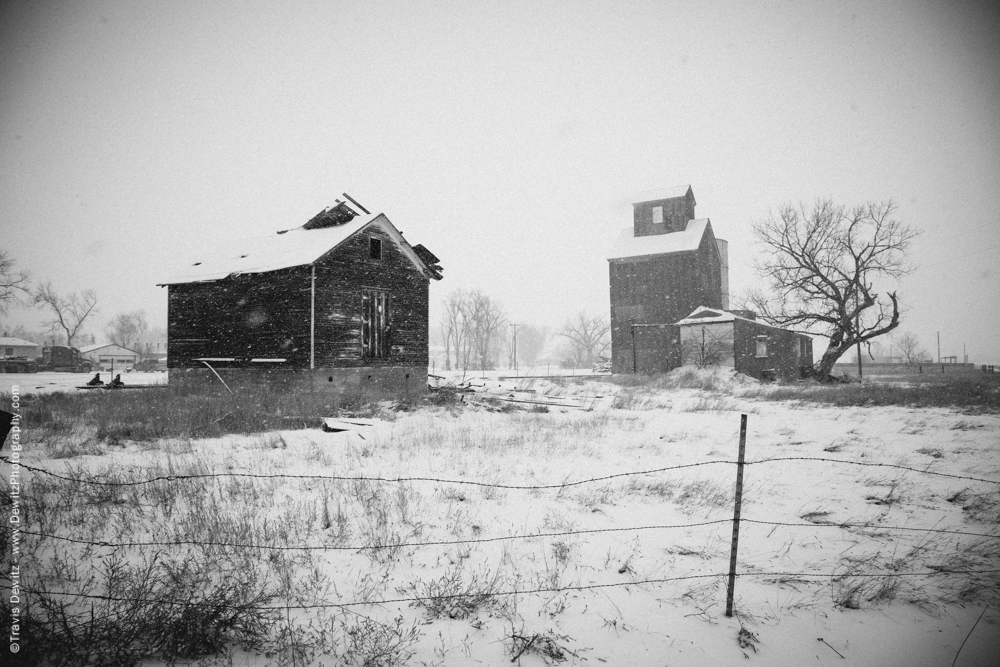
{"x": 533, "y": 591}
{"x": 485, "y": 540}
{"x": 562, "y": 485}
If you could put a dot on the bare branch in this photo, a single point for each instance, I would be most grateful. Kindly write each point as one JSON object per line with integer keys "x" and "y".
{"x": 821, "y": 266}
{"x": 68, "y": 313}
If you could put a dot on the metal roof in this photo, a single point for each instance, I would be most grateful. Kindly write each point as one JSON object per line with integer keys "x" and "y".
{"x": 688, "y": 240}
{"x": 283, "y": 250}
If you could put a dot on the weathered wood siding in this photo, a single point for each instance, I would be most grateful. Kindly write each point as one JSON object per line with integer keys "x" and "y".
{"x": 263, "y": 315}
{"x": 661, "y": 289}
{"x": 676, "y": 212}
{"x": 340, "y": 278}
{"x": 788, "y": 353}
{"x": 267, "y": 315}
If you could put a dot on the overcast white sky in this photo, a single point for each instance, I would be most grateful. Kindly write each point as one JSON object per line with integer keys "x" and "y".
{"x": 507, "y": 137}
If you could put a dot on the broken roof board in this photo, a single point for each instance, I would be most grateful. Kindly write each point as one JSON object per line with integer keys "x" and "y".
{"x": 629, "y": 245}
{"x": 283, "y": 250}
{"x": 675, "y": 192}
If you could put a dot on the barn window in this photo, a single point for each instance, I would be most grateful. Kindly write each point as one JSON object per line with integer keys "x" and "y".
{"x": 374, "y": 323}
{"x": 761, "y": 346}
{"x": 374, "y": 248}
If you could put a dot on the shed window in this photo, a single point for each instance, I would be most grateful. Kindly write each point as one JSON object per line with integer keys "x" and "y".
{"x": 657, "y": 215}
{"x": 374, "y": 324}
{"x": 761, "y": 346}
{"x": 374, "y": 248}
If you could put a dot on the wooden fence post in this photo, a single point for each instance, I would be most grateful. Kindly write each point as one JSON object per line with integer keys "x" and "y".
{"x": 736, "y": 516}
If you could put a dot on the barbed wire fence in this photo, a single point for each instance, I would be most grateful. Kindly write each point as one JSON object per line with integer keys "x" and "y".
{"x": 733, "y": 574}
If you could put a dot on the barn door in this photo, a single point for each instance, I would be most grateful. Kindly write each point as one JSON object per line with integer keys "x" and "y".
{"x": 374, "y": 323}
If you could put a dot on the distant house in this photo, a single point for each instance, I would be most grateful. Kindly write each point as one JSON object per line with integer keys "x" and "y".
{"x": 345, "y": 292}
{"x": 12, "y": 348}
{"x": 668, "y": 268}
{"x": 110, "y": 357}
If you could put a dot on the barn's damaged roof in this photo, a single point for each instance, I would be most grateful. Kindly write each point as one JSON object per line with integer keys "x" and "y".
{"x": 629, "y": 245}
{"x": 301, "y": 246}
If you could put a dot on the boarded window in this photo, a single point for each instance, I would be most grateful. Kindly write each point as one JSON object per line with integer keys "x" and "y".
{"x": 374, "y": 248}
{"x": 374, "y": 323}
{"x": 761, "y": 346}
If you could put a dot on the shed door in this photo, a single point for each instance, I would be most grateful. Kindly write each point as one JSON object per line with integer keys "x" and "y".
{"x": 374, "y": 323}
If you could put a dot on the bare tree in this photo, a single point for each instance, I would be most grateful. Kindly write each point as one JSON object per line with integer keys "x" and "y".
{"x": 13, "y": 283}
{"x": 68, "y": 312}
{"x": 706, "y": 346}
{"x": 588, "y": 337}
{"x": 472, "y": 327}
{"x": 454, "y": 329}
{"x": 909, "y": 347}
{"x": 485, "y": 318}
{"x": 128, "y": 329}
{"x": 821, "y": 266}
{"x": 530, "y": 343}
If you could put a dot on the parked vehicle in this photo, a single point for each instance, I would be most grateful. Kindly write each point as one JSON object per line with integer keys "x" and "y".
{"x": 148, "y": 365}
{"x": 65, "y": 359}
{"x": 18, "y": 365}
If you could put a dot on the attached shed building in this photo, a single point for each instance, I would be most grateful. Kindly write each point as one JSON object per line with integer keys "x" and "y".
{"x": 345, "y": 291}
{"x": 719, "y": 338}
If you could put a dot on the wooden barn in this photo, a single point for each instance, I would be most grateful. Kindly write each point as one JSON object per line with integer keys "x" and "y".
{"x": 669, "y": 281}
{"x": 661, "y": 268}
{"x": 344, "y": 294}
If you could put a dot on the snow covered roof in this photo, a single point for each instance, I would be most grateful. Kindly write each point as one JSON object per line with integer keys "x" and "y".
{"x": 16, "y": 342}
{"x": 664, "y": 193}
{"x": 703, "y": 315}
{"x": 283, "y": 250}
{"x": 629, "y": 245}
{"x": 98, "y": 346}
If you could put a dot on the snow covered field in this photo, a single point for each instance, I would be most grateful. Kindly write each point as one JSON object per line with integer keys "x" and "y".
{"x": 454, "y": 567}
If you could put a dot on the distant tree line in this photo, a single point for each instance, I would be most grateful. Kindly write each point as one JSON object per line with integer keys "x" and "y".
{"x": 477, "y": 333}
{"x": 68, "y": 313}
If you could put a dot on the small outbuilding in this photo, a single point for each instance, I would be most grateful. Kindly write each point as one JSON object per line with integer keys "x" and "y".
{"x": 110, "y": 356}
{"x": 342, "y": 295}
{"x": 715, "y": 337}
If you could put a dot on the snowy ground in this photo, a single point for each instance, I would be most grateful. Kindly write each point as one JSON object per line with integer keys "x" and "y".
{"x": 44, "y": 383}
{"x": 596, "y": 542}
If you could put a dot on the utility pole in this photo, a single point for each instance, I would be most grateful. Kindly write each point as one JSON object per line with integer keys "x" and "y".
{"x": 857, "y": 326}
{"x": 939, "y": 346}
{"x": 515, "y": 348}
